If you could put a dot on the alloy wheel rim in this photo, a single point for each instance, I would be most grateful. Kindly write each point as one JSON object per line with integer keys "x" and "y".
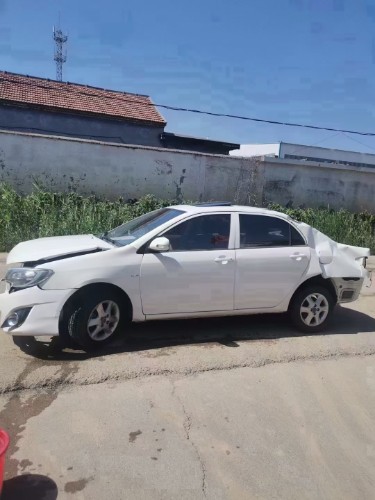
{"x": 314, "y": 309}
{"x": 103, "y": 320}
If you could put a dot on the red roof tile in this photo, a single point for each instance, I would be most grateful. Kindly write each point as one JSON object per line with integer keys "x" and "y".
{"x": 73, "y": 97}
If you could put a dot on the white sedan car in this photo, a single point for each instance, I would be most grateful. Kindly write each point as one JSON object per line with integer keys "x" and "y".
{"x": 182, "y": 261}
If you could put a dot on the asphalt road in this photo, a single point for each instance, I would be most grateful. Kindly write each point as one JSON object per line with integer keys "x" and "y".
{"x": 233, "y": 408}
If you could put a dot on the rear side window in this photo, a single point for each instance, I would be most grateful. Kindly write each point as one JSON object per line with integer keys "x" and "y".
{"x": 265, "y": 231}
{"x": 296, "y": 239}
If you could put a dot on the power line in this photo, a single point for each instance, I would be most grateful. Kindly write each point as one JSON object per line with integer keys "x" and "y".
{"x": 358, "y": 142}
{"x": 330, "y": 136}
{"x": 199, "y": 111}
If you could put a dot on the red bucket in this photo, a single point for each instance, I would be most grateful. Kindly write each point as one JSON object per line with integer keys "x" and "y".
{"x": 4, "y": 443}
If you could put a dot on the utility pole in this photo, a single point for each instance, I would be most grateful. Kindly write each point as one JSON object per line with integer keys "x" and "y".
{"x": 60, "y": 51}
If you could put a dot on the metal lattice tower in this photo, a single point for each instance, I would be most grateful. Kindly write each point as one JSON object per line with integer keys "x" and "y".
{"x": 60, "y": 51}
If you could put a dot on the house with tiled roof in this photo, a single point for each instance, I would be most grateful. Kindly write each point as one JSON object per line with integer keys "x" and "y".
{"x": 50, "y": 107}
{"x": 60, "y": 108}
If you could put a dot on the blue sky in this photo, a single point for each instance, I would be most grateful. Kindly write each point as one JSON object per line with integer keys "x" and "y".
{"x": 309, "y": 61}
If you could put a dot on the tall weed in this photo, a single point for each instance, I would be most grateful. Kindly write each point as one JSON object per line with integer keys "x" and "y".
{"x": 44, "y": 213}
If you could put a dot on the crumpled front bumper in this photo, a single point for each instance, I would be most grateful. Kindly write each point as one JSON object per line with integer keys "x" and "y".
{"x": 43, "y": 318}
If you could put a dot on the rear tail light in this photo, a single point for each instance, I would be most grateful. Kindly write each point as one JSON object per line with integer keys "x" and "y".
{"x": 364, "y": 263}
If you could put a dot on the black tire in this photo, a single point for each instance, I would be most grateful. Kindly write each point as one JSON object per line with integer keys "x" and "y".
{"x": 27, "y": 344}
{"x": 78, "y": 319}
{"x": 318, "y": 316}
{"x": 40, "y": 348}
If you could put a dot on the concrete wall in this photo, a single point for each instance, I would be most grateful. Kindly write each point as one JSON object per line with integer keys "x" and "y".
{"x": 312, "y": 184}
{"x": 76, "y": 125}
{"x": 111, "y": 170}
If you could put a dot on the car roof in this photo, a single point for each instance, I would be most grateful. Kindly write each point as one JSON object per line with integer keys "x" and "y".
{"x": 223, "y": 208}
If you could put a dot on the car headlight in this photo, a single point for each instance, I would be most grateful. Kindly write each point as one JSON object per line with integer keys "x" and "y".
{"x": 23, "y": 277}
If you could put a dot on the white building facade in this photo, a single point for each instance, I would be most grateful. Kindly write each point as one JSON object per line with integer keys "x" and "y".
{"x": 299, "y": 152}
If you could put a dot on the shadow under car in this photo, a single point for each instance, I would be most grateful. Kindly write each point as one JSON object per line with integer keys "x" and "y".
{"x": 224, "y": 330}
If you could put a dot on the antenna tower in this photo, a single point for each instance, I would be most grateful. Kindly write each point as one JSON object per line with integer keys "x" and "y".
{"x": 60, "y": 51}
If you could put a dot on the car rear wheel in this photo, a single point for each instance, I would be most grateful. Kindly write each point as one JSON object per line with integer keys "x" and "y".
{"x": 311, "y": 309}
{"x": 97, "y": 320}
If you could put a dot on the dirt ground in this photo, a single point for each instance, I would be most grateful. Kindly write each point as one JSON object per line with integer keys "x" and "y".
{"x": 229, "y": 408}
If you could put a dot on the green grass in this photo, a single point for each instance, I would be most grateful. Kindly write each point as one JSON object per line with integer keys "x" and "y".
{"x": 44, "y": 213}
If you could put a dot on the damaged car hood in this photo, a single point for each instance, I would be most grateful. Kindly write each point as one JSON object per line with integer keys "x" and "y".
{"x": 49, "y": 248}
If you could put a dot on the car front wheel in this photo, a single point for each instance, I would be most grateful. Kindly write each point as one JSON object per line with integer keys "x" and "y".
{"x": 311, "y": 309}
{"x": 97, "y": 319}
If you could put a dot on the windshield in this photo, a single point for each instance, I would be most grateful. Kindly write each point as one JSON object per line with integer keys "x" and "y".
{"x": 134, "y": 229}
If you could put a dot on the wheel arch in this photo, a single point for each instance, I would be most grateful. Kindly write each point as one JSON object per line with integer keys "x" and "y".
{"x": 79, "y": 294}
{"x": 316, "y": 280}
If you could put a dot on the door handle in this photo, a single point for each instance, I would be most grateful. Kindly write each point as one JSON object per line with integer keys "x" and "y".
{"x": 224, "y": 260}
{"x": 298, "y": 256}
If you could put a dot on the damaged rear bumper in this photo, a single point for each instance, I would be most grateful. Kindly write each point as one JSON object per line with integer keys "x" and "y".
{"x": 348, "y": 289}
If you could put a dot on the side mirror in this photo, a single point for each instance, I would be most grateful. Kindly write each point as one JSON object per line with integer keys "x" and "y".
{"x": 160, "y": 244}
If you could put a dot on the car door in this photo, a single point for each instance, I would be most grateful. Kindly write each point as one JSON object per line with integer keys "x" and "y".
{"x": 270, "y": 261}
{"x": 197, "y": 274}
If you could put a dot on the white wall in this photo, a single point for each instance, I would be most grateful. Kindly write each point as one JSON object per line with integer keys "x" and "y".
{"x": 113, "y": 170}
{"x": 312, "y": 184}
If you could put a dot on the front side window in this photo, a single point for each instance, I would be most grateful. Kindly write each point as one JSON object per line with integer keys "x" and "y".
{"x": 265, "y": 231}
{"x": 206, "y": 232}
{"x": 134, "y": 229}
